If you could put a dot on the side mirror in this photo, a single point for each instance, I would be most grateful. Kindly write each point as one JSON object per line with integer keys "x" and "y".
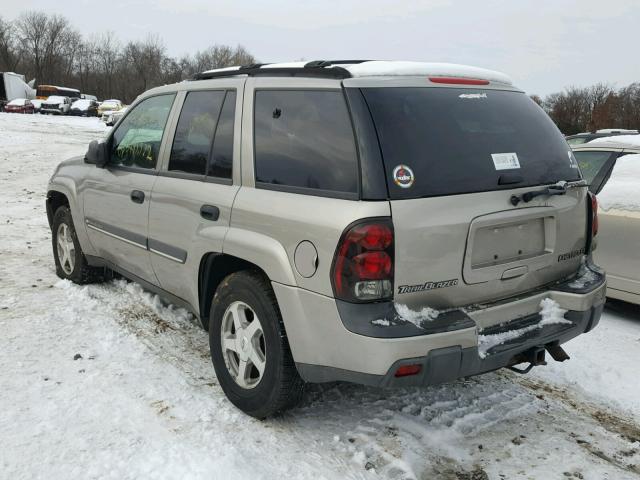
{"x": 97, "y": 154}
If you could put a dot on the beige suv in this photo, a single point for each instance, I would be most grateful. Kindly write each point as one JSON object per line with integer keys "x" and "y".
{"x": 385, "y": 223}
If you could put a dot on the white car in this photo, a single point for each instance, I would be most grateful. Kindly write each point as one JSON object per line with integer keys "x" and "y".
{"x": 611, "y": 166}
{"x": 56, "y": 104}
{"x": 37, "y": 104}
{"x": 110, "y": 118}
{"x": 110, "y": 105}
{"x": 619, "y": 131}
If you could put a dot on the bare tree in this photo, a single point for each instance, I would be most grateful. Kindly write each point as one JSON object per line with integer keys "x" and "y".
{"x": 32, "y": 33}
{"x": 49, "y": 43}
{"x": 107, "y": 52}
{"x": 141, "y": 65}
{"x": 537, "y": 99}
{"x": 9, "y": 56}
{"x": 47, "y": 47}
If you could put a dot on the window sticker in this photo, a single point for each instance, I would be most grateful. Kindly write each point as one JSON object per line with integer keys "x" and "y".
{"x": 505, "y": 161}
{"x": 403, "y": 176}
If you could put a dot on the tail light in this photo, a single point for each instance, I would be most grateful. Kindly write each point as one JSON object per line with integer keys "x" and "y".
{"x": 594, "y": 214}
{"x": 363, "y": 263}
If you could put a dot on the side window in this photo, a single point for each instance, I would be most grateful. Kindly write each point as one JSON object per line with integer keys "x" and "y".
{"x": 221, "y": 159}
{"x": 305, "y": 139}
{"x": 195, "y": 131}
{"x": 136, "y": 141}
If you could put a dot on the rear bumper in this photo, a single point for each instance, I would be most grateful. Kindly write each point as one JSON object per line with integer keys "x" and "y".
{"x": 450, "y": 363}
{"x": 327, "y": 349}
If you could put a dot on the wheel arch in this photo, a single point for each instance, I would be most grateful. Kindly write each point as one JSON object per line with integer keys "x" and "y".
{"x": 62, "y": 191}
{"x": 55, "y": 200}
{"x": 214, "y": 268}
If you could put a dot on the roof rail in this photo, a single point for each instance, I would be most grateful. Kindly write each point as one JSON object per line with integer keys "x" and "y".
{"x": 328, "y": 63}
{"x": 252, "y": 65}
{"x": 315, "y": 68}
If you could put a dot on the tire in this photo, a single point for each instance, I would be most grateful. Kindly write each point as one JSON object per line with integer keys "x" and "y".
{"x": 278, "y": 387}
{"x": 73, "y": 265}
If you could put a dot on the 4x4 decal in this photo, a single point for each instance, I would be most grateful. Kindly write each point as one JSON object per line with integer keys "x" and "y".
{"x": 427, "y": 286}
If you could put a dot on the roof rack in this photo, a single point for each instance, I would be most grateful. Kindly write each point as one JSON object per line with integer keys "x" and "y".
{"x": 315, "y": 68}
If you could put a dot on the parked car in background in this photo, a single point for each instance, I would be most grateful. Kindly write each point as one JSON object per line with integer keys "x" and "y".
{"x": 37, "y": 104}
{"x": 580, "y": 138}
{"x": 56, "y": 104}
{"x": 84, "y": 108}
{"x": 431, "y": 253}
{"x": 19, "y": 105}
{"x": 110, "y": 118}
{"x": 87, "y": 96}
{"x": 612, "y": 169}
{"x": 111, "y": 105}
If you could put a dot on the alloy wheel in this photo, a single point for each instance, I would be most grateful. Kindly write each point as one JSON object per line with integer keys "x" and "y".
{"x": 243, "y": 345}
{"x": 66, "y": 249}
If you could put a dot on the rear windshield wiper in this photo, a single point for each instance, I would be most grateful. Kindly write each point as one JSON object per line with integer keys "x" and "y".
{"x": 559, "y": 188}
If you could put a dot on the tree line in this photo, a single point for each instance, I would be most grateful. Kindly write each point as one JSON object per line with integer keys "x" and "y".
{"x": 585, "y": 109}
{"x": 48, "y": 48}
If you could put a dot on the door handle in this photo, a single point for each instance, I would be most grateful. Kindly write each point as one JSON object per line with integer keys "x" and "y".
{"x": 209, "y": 212}
{"x": 137, "y": 196}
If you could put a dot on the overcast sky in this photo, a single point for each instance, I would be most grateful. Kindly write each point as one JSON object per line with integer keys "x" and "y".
{"x": 544, "y": 45}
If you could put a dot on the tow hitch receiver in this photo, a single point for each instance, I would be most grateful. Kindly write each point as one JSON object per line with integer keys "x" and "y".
{"x": 557, "y": 353}
{"x": 533, "y": 356}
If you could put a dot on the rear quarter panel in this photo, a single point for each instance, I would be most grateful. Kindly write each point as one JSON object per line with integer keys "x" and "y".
{"x": 288, "y": 219}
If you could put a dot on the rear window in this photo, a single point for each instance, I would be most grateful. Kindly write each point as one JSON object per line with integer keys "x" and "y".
{"x": 445, "y": 141}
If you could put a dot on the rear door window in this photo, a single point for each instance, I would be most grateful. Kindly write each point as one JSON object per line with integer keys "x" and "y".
{"x": 194, "y": 134}
{"x": 304, "y": 142}
{"x": 221, "y": 159}
{"x": 445, "y": 141}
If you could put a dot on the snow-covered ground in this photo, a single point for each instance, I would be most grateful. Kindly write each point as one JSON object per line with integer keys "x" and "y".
{"x": 105, "y": 381}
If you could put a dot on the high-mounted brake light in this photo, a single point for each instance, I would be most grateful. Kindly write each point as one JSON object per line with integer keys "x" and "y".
{"x": 362, "y": 268}
{"x": 459, "y": 81}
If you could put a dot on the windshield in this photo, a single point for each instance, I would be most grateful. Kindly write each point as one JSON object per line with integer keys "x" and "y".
{"x": 457, "y": 140}
{"x": 55, "y": 99}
